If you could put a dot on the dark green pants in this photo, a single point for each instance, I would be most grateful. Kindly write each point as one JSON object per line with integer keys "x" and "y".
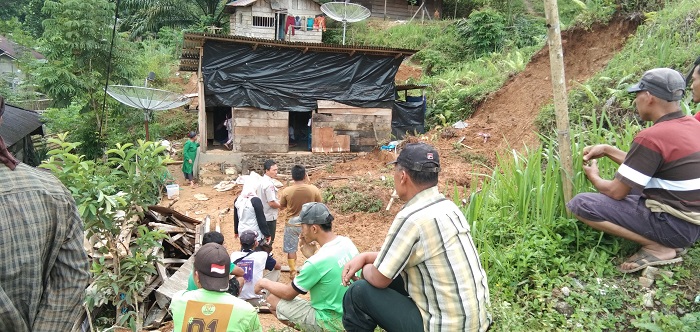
{"x": 365, "y": 307}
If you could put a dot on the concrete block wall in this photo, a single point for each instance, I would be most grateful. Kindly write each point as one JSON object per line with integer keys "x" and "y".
{"x": 285, "y": 161}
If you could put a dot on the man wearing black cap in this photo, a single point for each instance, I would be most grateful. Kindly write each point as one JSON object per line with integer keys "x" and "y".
{"x": 319, "y": 276}
{"x": 428, "y": 255}
{"x": 210, "y": 306}
{"x": 663, "y": 164}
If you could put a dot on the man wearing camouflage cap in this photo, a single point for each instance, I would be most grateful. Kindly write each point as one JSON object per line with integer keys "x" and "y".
{"x": 319, "y": 276}
{"x": 654, "y": 198}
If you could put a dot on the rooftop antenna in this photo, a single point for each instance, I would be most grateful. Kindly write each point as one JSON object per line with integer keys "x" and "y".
{"x": 147, "y": 99}
{"x": 345, "y": 12}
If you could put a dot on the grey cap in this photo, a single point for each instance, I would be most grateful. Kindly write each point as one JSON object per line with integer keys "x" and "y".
{"x": 315, "y": 213}
{"x": 663, "y": 83}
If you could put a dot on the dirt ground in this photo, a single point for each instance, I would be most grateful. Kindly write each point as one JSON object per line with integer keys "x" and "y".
{"x": 506, "y": 116}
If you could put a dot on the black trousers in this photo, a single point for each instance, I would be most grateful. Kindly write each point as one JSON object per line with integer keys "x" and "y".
{"x": 365, "y": 307}
{"x": 272, "y": 226}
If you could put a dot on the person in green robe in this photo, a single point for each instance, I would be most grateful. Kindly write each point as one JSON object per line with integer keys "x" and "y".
{"x": 189, "y": 153}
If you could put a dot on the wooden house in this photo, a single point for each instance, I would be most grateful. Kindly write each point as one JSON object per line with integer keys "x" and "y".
{"x": 402, "y": 9}
{"x": 10, "y": 52}
{"x": 270, "y": 19}
{"x": 271, "y": 89}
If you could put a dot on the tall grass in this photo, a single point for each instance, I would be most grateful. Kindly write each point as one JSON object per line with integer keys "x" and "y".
{"x": 530, "y": 245}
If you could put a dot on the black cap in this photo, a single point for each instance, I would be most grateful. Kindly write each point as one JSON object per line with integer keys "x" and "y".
{"x": 419, "y": 157}
{"x": 213, "y": 266}
{"x": 663, "y": 83}
{"x": 192, "y": 134}
{"x": 248, "y": 237}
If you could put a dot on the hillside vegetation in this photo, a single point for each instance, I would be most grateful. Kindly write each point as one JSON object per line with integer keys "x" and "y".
{"x": 545, "y": 272}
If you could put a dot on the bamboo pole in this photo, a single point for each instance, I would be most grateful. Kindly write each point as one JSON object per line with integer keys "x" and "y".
{"x": 556, "y": 60}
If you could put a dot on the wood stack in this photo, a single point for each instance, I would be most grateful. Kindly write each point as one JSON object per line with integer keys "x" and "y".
{"x": 174, "y": 265}
{"x": 176, "y": 259}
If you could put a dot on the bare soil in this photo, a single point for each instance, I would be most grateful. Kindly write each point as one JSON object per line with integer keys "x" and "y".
{"x": 506, "y": 116}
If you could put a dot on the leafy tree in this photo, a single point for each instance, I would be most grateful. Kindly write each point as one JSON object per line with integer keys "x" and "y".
{"x": 111, "y": 197}
{"x": 76, "y": 43}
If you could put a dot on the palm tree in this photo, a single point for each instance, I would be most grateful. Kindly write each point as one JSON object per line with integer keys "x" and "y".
{"x": 143, "y": 16}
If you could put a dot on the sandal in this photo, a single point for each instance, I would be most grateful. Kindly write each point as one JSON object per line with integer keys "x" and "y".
{"x": 644, "y": 259}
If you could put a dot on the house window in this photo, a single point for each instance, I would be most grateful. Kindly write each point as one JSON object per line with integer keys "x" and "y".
{"x": 265, "y": 22}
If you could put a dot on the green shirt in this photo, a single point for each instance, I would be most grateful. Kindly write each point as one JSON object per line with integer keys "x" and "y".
{"x": 204, "y": 310}
{"x": 320, "y": 275}
{"x": 190, "y": 282}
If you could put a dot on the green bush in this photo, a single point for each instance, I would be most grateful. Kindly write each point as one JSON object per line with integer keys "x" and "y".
{"x": 484, "y": 31}
{"x": 112, "y": 196}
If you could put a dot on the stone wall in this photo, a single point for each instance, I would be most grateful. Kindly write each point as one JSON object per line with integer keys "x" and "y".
{"x": 285, "y": 161}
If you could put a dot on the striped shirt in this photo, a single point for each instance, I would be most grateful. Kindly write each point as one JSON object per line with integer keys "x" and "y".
{"x": 429, "y": 244}
{"x": 44, "y": 266}
{"x": 664, "y": 161}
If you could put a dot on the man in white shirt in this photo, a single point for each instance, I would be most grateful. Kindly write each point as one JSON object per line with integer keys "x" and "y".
{"x": 268, "y": 195}
{"x": 256, "y": 265}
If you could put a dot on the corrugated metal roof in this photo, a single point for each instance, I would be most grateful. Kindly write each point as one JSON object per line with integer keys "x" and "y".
{"x": 17, "y": 123}
{"x": 240, "y": 3}
{"x": 12, "y": 49}
{"x": 189, "y": 60}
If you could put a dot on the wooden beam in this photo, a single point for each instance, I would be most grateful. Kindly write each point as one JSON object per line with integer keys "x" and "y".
{"x": 306, "y": 49}
{"x": 255, "y": 46}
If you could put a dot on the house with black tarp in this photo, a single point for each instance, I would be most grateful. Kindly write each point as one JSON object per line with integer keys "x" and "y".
{"x": 284, "y": 96}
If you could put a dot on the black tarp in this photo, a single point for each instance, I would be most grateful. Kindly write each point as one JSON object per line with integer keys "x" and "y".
{"x": 281, "y": 79}
{"x": 408, "y": 116}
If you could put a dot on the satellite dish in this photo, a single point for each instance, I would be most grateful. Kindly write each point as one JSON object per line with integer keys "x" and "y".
{"x": 146, "y": 99}
{"x": 345, "y": 12}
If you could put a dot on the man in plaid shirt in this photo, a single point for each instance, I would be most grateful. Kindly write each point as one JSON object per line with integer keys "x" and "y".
{"x": 427, "y": 276}
{"x": 44, "y": 266}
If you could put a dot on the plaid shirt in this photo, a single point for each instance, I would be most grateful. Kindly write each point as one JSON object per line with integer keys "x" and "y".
{"x": 44, "y": 265}
{"x": 429, "y": 244}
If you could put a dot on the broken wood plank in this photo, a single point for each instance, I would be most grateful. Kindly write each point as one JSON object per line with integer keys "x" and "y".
{"x": 174, "y": 260}
{"x": 176, "y": 282}
{"x": 169, "y": 228}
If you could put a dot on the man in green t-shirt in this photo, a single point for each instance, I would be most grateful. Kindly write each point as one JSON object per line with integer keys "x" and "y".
{"x": 211, "y": 308}
{"x": 320, "y": 276}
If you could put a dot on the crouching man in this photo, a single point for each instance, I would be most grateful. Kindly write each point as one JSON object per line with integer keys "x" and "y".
{"x": 320, "y": 276}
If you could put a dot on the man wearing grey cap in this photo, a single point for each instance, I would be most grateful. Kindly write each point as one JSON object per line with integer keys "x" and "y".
{"x": 427, "y": 276}
{"x": 319, "y": 276}
{"x": 663, "y": 164}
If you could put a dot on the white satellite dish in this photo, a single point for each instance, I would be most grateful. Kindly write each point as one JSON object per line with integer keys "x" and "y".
{"x": 146, "y": 99}
{"x": 345, "y": 12}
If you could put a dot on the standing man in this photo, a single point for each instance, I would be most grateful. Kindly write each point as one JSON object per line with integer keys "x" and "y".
{"x": 268, "y": 195}
{"x": 428, "y": 255}
{"x": 319, "y": 276}
{"x": 663, "y": 163}
{"x": 294, "y": 197}
{"x": 44, "y": 266}
{"x": 189, "y": 154}
{"x": 254, "y": 263}
{"x": 210, "y": 307}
